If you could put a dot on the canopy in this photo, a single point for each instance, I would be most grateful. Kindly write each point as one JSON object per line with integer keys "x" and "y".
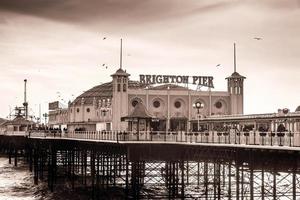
{"x": 139, "y": 112}
{"x": 19, "y": 121}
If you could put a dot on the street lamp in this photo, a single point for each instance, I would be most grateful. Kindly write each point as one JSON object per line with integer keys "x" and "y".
{"x": 45, "y": 115}
{"x": 198, "y": 105}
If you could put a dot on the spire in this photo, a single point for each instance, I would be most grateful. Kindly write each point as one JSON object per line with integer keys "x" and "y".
{"x": 121, "y": 55}
{"x": 235, "y": 74}
{"x": 234, "y": 57}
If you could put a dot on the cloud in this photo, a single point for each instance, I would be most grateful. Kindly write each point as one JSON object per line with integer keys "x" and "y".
{"x": 57, "y": 44}
{"x": 124, "y": 11}
{"x": 279, "y": 4}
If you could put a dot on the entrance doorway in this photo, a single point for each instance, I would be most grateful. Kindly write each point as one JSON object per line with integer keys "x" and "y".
{"x": 199, "y": 127}
{"x": 158, "y": 125}
{"x": 178, "y": 124}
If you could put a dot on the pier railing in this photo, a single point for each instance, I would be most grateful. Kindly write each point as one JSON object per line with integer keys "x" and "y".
{"x": 288, "y": 138}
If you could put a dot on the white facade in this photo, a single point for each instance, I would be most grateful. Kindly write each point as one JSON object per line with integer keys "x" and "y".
{"x": 102, "y": 107}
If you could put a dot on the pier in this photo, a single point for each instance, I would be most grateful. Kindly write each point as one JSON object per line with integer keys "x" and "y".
{"x": 203, "y": 165}
{"x": 182, "y": 154}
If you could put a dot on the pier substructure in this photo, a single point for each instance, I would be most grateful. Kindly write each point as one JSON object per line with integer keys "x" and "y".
{"x": 143, "y": 171}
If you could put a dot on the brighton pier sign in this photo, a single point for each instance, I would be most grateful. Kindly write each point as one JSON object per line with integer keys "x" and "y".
{"x": 206, "y": 81}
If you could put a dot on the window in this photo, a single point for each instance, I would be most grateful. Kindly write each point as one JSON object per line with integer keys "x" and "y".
{"x": 218, "y": 104}
{"x": 88, "y": 110}
{"x": 71, "y": 110}
{"x": 156, "y": 104}
{"x": 77, "y": 110}
{"x": 108, "y": 127}
{"x": 177, "y": 104}
{"x": 124, "y": 87}
{"x": 119, "y": 84}
{"x": 108, "y": 103}
{"x": 134, "y": 102}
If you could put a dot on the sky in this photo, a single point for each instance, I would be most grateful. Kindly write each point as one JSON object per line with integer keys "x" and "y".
{"x": 58, "y": 46}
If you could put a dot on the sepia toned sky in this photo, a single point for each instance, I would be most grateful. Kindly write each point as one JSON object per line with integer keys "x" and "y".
{"x": 58, "y": 46}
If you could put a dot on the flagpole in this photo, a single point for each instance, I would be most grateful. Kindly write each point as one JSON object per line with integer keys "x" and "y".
{"x": 121, "y": 55}
{"x": 234, "y": 57}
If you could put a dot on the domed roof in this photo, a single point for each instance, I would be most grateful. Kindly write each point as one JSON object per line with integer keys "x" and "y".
{"x": 120, "y": 72}
{"x": 297, "y": 109}
{"x": 102, "y": 91}
{"x": 235, "y": 75}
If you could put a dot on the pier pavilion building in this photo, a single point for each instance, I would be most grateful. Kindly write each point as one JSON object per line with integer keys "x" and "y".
{"x": 174, "y": 107}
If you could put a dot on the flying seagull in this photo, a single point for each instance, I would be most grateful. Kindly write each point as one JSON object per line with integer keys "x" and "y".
{"x": 257, "y": 38}
{"x": 103, "y": 65}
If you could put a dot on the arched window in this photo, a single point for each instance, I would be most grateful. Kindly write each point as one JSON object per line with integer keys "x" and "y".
{"x": 124, "y": 87}
{"x": 119, "y": 84}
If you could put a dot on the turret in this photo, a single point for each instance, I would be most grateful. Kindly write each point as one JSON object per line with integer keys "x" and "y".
{"x": 120, "y": 96}
{"x": 120, "y": 99}
{"x": 235, "y": 84}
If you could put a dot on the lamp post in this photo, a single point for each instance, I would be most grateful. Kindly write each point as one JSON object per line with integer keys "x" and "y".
{"x": 198, "y": 105}
{"x": 45, "y": 115}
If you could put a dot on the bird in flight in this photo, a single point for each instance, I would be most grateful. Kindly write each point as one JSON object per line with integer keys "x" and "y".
{"x": 103, "y": 65}
{"x": 218, "y": 65}
{"x": 257, "y": 38}
{"x": 104, "y": 38}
